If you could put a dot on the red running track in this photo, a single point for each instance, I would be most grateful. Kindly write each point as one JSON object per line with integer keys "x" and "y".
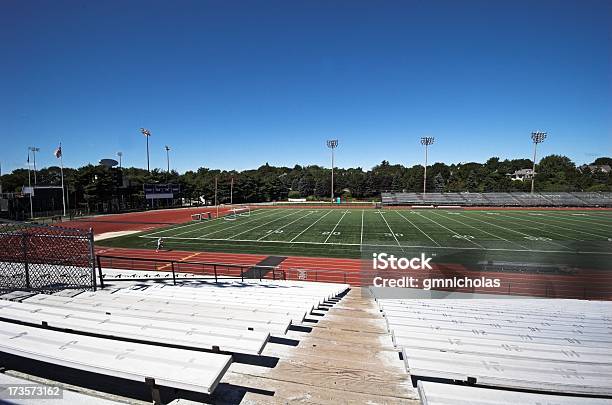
{"x": 139, "y": 221}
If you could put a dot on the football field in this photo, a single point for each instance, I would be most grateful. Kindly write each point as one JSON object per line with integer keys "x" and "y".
{"x": 542, "y": 236}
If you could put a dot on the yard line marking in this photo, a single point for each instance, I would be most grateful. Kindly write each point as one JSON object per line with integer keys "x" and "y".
{"x": 448, "y": 229}
{"x": 259, "y": 226}
{"x": 310, "y": 226}
{"x": 198, "y": 240}
{"x": 277, "y": 229}
{"x": 482, "y": 230}
{"x": 337, "y": 223}
{"x": 361, "y": 238}
{"x": 390, "y": 230}
{"x": 519, "y": 232}
{"x": 560, "y": 227}
{"x": 212, "y": 223}
{"x": 239, "y": 224}
{"x": 584, "y": 221}
{"x": 576, "y": 230}
{"x": 589, "y": 224}
{"x": 419, "y": 229}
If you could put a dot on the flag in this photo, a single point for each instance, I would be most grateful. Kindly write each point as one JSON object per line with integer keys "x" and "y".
{"x": 58, "y": 152}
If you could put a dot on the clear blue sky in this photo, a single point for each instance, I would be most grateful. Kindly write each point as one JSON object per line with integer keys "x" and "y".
{"x": 235, "y": 84}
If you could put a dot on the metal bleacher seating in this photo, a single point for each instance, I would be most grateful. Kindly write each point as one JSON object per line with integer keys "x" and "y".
{"x": 552, "y": 347}
{"x": 176, "y": 336}
{"x": 504, "y": 199}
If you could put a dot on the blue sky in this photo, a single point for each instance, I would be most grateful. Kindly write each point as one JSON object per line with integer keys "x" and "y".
{"x": 235, "y": 84}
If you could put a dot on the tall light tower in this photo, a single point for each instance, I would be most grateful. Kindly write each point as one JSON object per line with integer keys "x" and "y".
{"x": 332, "y": 144}
{"x": 168, "y": 157}
{"x": 537, "y": 137}
{"x": 120, "y": 154}
{"x": 147, "y": 134}
{"x": 426, "y": 141}
{"x": 34, "y": 149}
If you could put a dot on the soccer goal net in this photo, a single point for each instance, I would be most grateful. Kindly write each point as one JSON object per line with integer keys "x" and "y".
{"x": 236, "y": 213}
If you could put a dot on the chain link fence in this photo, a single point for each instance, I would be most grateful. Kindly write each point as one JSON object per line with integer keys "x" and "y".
{"x": 45, "y": 258}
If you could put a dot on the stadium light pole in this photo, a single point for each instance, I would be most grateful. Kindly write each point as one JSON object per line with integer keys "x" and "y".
{"x": 147, "y": 134}
{"x": 120, "y": 154}
{"x": 537, "y": 137}
{"x": 332, "y": 144}
{"x": 30, "y": 187}
{"x": 168, "y": 158}
{"x": 34, "y": 149}
{"x": 426, "y": 141}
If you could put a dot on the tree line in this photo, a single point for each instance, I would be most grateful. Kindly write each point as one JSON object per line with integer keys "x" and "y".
{"x": 97, "y": 184}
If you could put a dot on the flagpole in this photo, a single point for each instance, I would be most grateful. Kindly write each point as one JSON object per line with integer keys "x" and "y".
{"x": 61, "y": 156}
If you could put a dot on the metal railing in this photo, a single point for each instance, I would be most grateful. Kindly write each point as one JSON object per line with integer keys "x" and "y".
{"x": 208, "y": 270}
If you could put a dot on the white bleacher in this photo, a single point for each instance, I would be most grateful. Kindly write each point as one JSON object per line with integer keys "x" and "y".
{"x": 177, "y": 368}
{"x": 550, "y": 346}
{"x": 432, "y": 393}
{"x": 161, "y": 332}
{"x": 256, "y": 321}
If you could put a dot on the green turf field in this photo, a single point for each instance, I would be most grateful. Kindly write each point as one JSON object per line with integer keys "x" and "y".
{"x": 543, "y": 236}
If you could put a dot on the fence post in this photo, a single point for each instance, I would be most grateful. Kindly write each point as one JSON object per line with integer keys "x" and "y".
{"x": 100, "y": 272}
{"x": 173, "y": 274}
{"x": 24, "y": 243}
{"x": 242, "y": 274}
{"x": 92, "y": 260}
{"x": 215, "y": 270}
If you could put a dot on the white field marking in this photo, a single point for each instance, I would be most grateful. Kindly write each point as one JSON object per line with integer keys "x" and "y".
{"x": 586, "y": 223}
{"x": 361, "y": 237}
{"x": 199, "y": 241}
{"x": 391, "y": 230}
{"x": 179, "y": 227}
{"x": 216, "y": 221}
{"x": 259, "y": 226}
{"x": 419, "y": 229}
{"x": 482, "y": 230}
{"x": 311, "y": 225}
{"x": 239, "y": 224}
{"x": 287, "y": 224}
{"x": 519, "y": 232}
{"x": 560, "y": 227}
{"x": 337, "y": 223}
{"x": 450, "y": 230}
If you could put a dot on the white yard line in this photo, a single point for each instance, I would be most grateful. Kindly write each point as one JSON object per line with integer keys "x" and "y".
{"x": 519, "y": 232}
{"x": 390, "y": 230}
{"x": 585, "y": 223}
{"x": 419, "y": 229}
{"x": 214, "y": 222}
{"x": 239, "y": 224}
{"x": 482, "y": 230}
{"x": 197, "y": 240}
{"x": 450, "y": 230}
{"x": 337, "y": 223}
{"x": 361, "y": 238}
{"x": 557, "y": 226}
{"x": 287, "y": 224}
{"x": 560, "y": 227}
{"x": 311, "y": 225}
{"x": 259, "y": 226}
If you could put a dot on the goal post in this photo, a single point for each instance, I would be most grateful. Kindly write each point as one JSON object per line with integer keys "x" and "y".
{"x": 237, "y": 212}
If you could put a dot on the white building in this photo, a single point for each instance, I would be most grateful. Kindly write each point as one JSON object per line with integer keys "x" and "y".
{"x": 522, "y": 174}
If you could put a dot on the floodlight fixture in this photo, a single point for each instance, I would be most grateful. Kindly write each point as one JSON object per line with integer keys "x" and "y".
{"x": 537, "y": 137}
{"x": 332, "y": 144}
{"x": 426, "y": 141}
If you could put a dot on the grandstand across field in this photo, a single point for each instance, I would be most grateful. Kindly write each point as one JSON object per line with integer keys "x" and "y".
{"x": 509, "y": 199}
